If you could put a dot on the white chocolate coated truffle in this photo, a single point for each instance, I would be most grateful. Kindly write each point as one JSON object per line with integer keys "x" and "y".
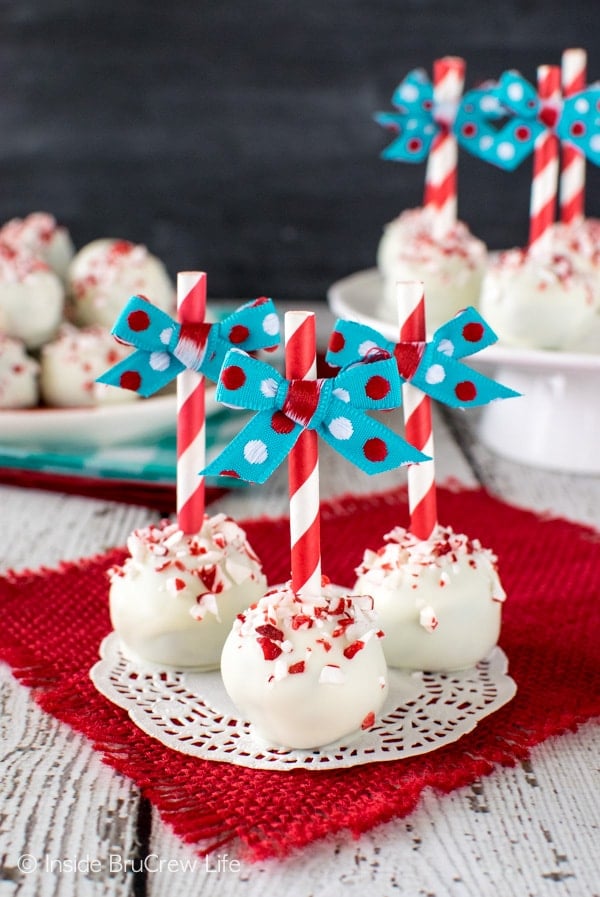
{"x": 451, "y": 267}
{"x": 71, "y": 363}
{"x": 18, "y": 375}
{"x": 439, "y": 601}
{"x": 175, "y": 598}
{"x": 42, "y": 237}
{"x": 105, "y": 273}
{"x": 31, "y": 297}
{"x": 306, "y": 671}
{"x": 538, "y": 301}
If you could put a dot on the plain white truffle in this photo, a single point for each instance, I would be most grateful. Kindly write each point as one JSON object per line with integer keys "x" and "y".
{"x": 306, "y": 671}
{"x": 105, "y": 273}
{"x": 31, "y": 297}
{"x": 451, "y": 267}
{"x": 176, "y": 596}
{"x": 71, "y": 363}
{"x": 18, "y": 375}
{"x": 41, "y": 236}
{"x": 439, "y": 601}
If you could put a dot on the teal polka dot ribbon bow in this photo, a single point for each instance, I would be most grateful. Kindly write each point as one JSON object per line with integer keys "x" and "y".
{"x": 434, "y": 367}
{"x": 165, "y": 348}
{"x": 500, "y": 122}
{"x": 334, "y": 407}
{"x": 418, "y": 119}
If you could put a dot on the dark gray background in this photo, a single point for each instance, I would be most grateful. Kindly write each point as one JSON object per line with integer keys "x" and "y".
{"x": 238, "y": 137}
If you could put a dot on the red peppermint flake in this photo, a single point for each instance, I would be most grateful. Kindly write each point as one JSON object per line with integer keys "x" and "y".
{"x": 271, "y": 632}
{"x": 122, "y": 247}
{"x": 380, "y": 633}
{"x": 353, "y": 649}
{"x": 208, "y": 576}
{"x": 339, "y": 608}
{"x": 342, "y": 626}
{"x": 300, "y": 620}
{"x": 297, "y": 667}
{"x": 270, "y": 650}
{"x": 326, "y": 645}
{"x": 179, "y": 584}
{"x": 368, "y": 721}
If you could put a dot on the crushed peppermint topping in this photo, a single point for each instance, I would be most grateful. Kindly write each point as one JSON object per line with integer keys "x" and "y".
{"x": 281, "y": 620}
{"x": 368, "y": 721}
{"x": 81, "y": 345}
{"x": 415, "y": 240}
{"x": 33, "y": 232}
{"x": 17, "y": 265}
{"x": 405, "y": 559}
{"x": 547, "y": 266}
{"x": 199, "y": 566}
{"x": 104, "y": 265}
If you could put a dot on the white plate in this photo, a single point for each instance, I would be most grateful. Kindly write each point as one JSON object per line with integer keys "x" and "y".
{"x": 554, "y": 424}
{"x": 84, "y": 427}
{"x": 94, "y": 427}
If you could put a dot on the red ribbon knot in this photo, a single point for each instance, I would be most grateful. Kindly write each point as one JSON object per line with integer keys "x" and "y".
{"x": 408, "y": 357}
{"x": 302, "y": 400}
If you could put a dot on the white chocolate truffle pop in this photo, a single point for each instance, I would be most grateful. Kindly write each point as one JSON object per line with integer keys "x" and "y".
{"x": 451, "y": 266}
{"x": 537, "y": 300}
{"x": 306, "y": 670}
{"x": 31, "y": 297}
{"x": 41, "y": 236}
{"x": 175, "y": 598}
{"x": 18, "y": 375}
{"x": 439, "y": 600}
{"x": 105, "y": 273}
{"x": 71, "y": 363}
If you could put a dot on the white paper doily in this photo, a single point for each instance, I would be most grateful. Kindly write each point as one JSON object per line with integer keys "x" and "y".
{"x": 192, "y": 713}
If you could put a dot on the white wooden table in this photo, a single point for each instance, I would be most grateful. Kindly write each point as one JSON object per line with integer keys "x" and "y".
{"x": 532, "y": 830}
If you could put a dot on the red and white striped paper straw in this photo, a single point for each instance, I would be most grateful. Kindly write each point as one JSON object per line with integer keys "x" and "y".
{"x": 303, "y": 462}
{"x": 191, "y": 413}
{"x": 572, "y": 177}
{"x": 442, "y": 164}
{"x": 544, "y": 184}
{"x": 422, "y": 497}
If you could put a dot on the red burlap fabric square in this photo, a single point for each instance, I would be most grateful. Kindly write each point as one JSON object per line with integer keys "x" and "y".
{"x": 54, "y": 620}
